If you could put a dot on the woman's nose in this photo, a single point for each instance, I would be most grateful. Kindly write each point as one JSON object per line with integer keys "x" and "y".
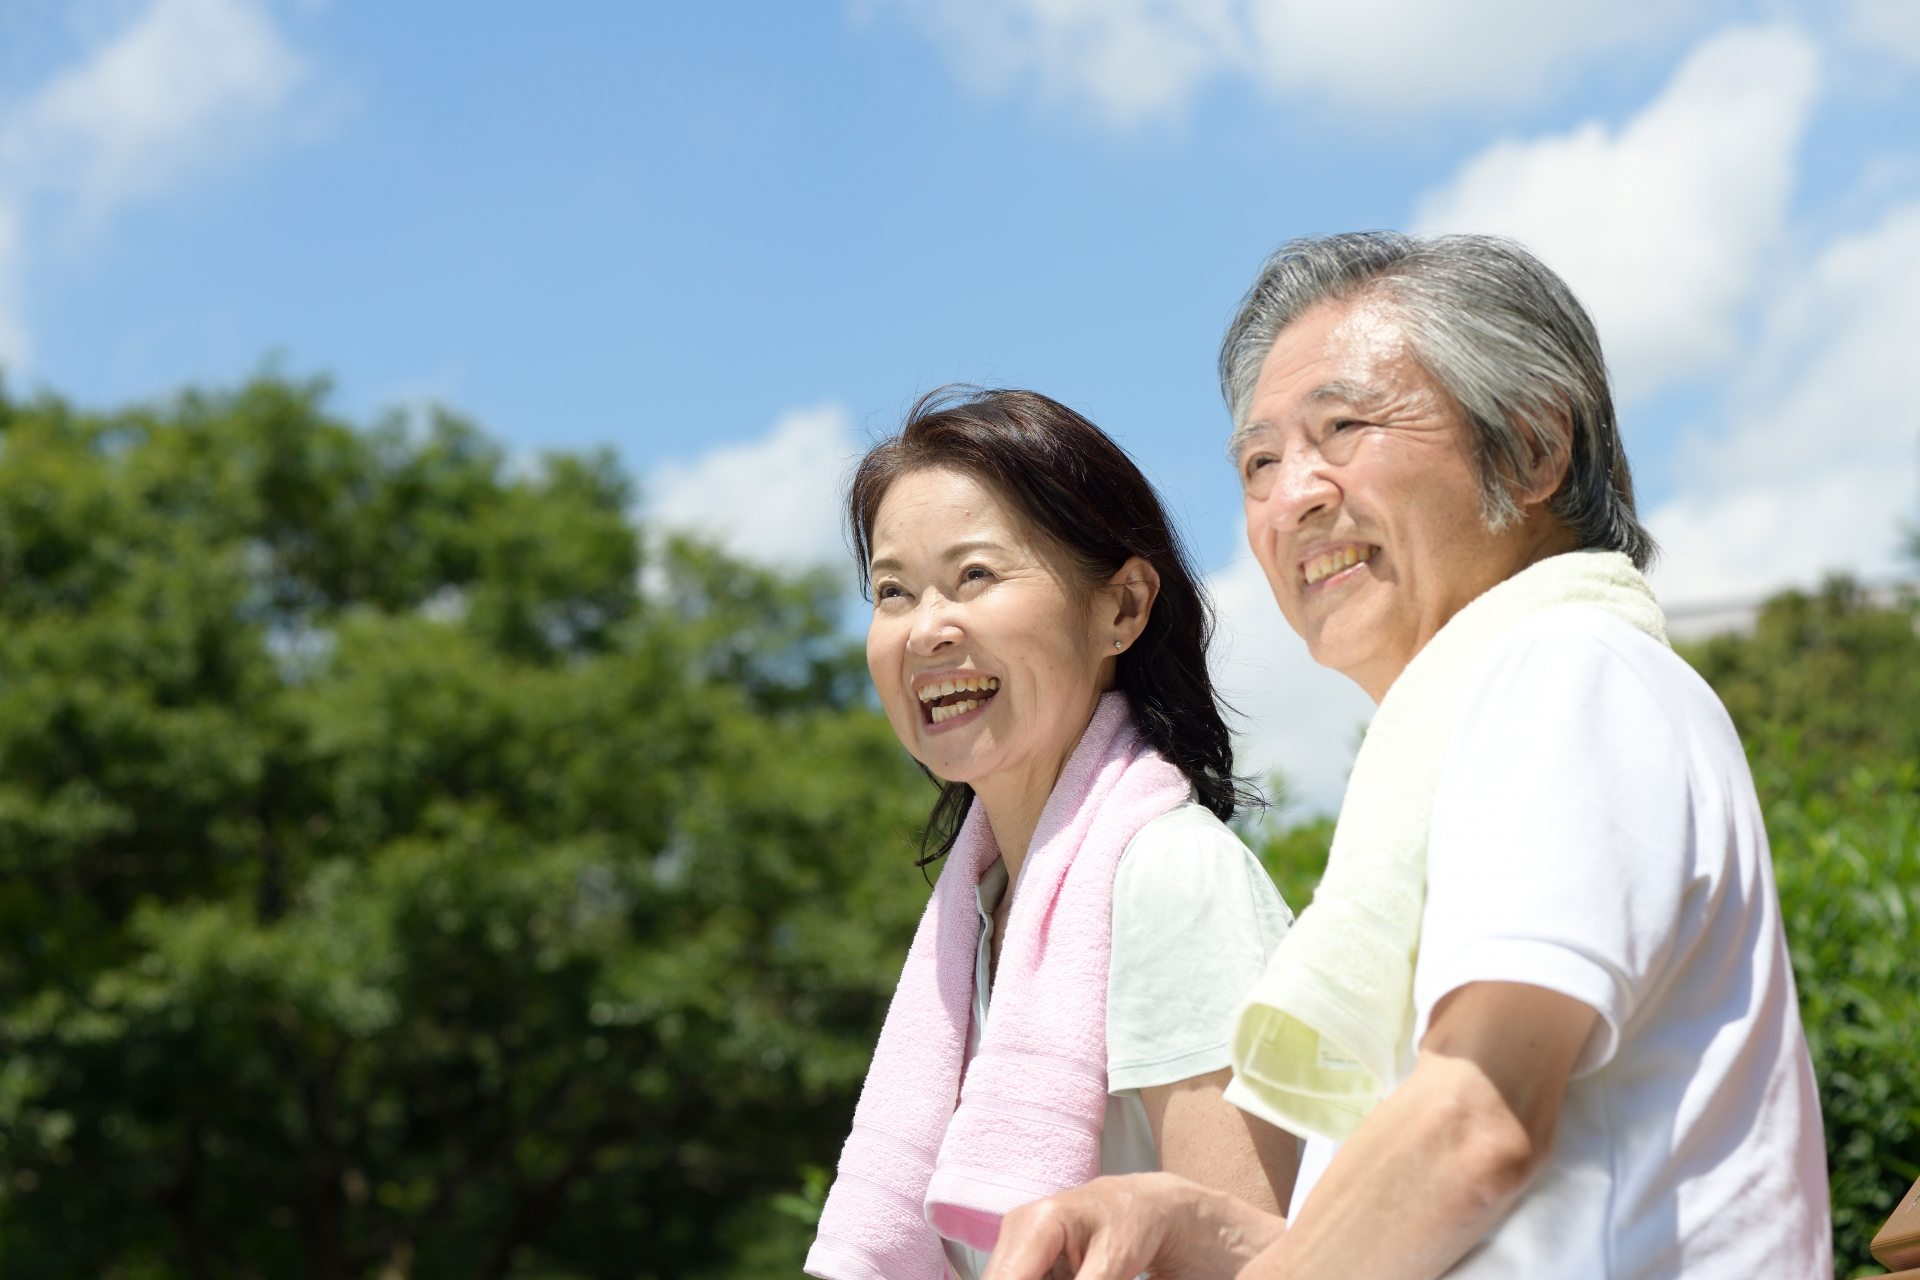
{"x": 934, "y": 627}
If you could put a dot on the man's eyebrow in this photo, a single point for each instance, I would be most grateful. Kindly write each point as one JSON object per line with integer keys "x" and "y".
{"x": 1242, "y": 434}
{"x": 1351, "y": 392}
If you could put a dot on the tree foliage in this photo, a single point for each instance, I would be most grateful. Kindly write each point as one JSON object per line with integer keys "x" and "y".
{"x": 391, "y": 887}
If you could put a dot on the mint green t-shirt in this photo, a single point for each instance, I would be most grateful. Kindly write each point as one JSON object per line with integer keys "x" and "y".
{"x": 1195, "y": 918}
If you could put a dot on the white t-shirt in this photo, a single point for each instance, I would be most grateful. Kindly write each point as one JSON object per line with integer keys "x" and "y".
{"x": 1195, "y": 918}
{"x": 1595, "y": 832}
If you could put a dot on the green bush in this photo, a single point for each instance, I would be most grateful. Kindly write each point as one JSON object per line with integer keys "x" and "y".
{"x": 1295, "y": 855}
{"x": 1847, "y": 856}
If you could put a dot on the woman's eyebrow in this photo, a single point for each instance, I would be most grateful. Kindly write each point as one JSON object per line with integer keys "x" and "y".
{"x": 958, "y": 551}
{"x": 961, "y": 549}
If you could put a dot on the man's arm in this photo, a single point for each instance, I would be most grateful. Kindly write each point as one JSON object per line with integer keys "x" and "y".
{"x": 1428, "y": 1173}
{"x": 1445, "y": 1155}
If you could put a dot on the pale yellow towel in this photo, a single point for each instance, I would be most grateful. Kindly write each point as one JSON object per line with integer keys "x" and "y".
{"x": 1326, "y": 1030}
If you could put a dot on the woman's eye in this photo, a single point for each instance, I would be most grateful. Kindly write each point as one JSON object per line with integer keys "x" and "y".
{"x": 887, "y": 591}
{"x": 974, "y": 573}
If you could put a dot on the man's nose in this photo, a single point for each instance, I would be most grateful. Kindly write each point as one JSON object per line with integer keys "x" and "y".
{"x": 1302, "y": 489}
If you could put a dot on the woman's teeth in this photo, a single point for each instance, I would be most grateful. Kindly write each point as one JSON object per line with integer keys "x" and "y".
{"x": 948, "y": 698}
{"x": 1325, "y": 566}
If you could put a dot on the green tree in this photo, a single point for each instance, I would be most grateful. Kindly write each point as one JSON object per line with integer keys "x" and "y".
{"x": 391, "y": 887}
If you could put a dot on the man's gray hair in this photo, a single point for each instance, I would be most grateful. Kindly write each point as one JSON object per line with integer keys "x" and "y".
{"x": 1499, "y": 331}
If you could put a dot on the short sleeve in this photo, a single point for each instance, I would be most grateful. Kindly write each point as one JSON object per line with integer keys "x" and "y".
{"x": 1194, "y": 919}
{"x": 1558, "y": 851}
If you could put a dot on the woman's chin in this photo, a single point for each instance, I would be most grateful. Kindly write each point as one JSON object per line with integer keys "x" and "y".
{"x": 954, "y": 758}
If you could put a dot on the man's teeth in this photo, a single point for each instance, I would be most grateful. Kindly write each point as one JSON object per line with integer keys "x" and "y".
{"x": 1324, "y": 566}
{"x": 948, "y": 688}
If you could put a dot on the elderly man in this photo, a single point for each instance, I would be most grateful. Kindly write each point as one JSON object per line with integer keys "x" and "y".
{"x": 1539, "y": 1021}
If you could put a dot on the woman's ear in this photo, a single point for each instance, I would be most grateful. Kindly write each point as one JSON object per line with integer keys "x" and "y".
{"x": 1131, "y": 592}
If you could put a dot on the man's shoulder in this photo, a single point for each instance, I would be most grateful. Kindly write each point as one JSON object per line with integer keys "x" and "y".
{"x": 1564, "y": 666}
{"x": 1583, "y": 642}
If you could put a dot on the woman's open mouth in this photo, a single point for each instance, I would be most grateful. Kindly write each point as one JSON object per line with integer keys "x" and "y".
{"x": 944, "y": 700}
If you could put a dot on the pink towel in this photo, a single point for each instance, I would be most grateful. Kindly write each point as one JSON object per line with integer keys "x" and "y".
{"x": 1034, "y": 1099}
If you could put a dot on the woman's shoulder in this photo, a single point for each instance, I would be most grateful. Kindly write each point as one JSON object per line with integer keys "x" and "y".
{"x": 1188, "y": 863}
{"x": 1195, "y": 918}
{"x": 1185, "y": 823}
{"x": 1180, "y": 837}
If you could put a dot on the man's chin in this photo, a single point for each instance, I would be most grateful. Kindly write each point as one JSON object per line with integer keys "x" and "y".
{"x": 1343, "y": 648}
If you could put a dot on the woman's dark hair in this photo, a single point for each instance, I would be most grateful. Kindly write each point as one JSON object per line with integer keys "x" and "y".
{"x": 1082, "y": 492}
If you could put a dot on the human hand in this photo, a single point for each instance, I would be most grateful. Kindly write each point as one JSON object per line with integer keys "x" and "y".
{"x": 1116, "y": 1228}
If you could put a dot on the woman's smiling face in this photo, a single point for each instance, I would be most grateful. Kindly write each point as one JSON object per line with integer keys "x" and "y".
{"x": 985, "y": 652}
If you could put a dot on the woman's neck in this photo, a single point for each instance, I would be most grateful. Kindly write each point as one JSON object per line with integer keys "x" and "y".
{"x": 1015, "y": 798}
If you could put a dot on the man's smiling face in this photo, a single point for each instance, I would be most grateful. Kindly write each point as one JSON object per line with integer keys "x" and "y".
{"x": 1362, "y": 498}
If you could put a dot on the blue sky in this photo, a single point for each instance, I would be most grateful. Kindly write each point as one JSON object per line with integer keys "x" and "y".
{"x": 732, "y": 239}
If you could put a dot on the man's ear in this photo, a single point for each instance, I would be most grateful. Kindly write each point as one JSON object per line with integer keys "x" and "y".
{"x": 1131, "y": 590}
{"x": 1549, "y": 455}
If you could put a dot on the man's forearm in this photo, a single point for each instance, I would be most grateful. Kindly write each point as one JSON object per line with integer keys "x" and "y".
{"x": 1431, "y": 1171}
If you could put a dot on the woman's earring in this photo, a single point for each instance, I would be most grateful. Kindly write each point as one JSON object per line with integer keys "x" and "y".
{"x": 1116, "y": 644}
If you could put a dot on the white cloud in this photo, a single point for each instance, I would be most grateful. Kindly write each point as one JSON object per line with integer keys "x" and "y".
{"x": 1892, "y": 25}
{"x": 1295, "y": 715}
{"x": 1136, "y": 58}
{"x": 1663, "y": 227}
{"x": 1822, "y": 460}
{"x": 187, "y": 82}
{"x": 184, "y": 83}
{"x": 775, "y": 500}
{"x": 1133, "y": 58}
{"x": 1416, "y": 53}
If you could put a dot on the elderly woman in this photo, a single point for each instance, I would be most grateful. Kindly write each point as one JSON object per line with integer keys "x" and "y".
{"x": 1539, "y": 1020}
{"x": 1039, "y": 644}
